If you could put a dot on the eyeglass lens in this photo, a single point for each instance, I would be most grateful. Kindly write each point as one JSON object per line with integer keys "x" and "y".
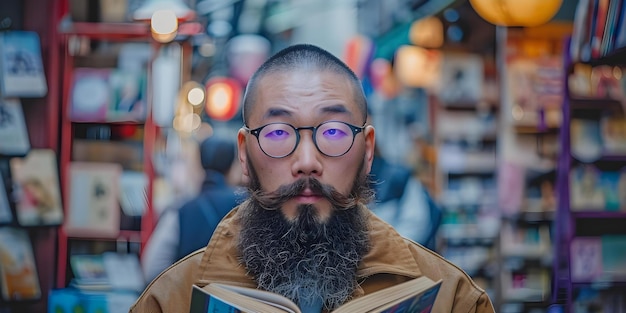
{"x": 331, "y": 138}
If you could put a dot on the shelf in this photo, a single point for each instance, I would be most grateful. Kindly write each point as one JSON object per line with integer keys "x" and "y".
{"x": 121, "y": 31}
{"x": 536, "y": 130}
{"x": 128, "y": 235}
{"x": 616, "y": 57}
{"x": 584, "y": 107}
{"x": 598, "y": 214}
{"x": 531, "y": 217}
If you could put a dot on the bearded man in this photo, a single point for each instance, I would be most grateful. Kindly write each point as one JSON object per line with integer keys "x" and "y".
{"x": 305, "y": 231}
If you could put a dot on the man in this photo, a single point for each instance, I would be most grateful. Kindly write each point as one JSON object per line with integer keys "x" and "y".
{"x": 305, "y": 231}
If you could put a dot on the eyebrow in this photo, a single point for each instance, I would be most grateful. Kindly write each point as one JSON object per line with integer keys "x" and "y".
{"x": 336, "y": 108}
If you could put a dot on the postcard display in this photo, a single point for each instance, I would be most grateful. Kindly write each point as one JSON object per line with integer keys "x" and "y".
{"x": 29, "y": 182}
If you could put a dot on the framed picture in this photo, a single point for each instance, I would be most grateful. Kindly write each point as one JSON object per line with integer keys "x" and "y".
{"x": 18, "y": 271}
{"x": 5, "y": 206}
{"x": 36, "y": 188}
{"x": 14, "y": 139}
{"x": 94, "y": 209}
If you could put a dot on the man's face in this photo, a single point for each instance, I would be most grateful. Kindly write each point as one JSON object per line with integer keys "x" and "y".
{"x": 302, "y": 99}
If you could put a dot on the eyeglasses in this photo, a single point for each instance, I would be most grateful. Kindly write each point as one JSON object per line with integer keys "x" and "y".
{"x": 331, "y": 138}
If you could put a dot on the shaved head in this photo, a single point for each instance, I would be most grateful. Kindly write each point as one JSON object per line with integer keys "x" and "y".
{"x": 303, "y": 57}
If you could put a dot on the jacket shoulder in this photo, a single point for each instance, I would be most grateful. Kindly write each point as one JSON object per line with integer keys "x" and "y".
{"x": 171, "y": 290}
{"x": 468, "y": 296}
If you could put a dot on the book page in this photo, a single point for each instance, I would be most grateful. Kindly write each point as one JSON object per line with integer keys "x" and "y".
{"x": 264, "y": 296}
{"x": 240, "y": 302}
{"x": 420, "y": 293}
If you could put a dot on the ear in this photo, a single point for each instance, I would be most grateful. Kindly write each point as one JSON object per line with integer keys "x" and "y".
{"x": 370, "y": 142}
{"x": 242, "y": 153}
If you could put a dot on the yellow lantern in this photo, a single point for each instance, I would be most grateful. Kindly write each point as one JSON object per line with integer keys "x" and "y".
{"x": 417, "y": 67}
{"x": 526, "y": 13}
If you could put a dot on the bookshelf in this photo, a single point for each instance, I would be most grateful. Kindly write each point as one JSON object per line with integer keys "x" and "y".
{"x": 530, "y": 74}
{"x": 466, "y": 130}
{"x": 102, "y": 141}
{"x": 591, "y": 236}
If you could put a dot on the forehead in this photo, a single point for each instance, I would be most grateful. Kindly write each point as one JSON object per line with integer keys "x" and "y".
{"x": 301, "y": 94}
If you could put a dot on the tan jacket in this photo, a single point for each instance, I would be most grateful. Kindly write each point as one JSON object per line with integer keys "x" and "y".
{"x": 392, "y": 259}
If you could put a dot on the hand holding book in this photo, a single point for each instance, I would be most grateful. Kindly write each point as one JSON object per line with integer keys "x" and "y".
{"x": 416, "y": 295}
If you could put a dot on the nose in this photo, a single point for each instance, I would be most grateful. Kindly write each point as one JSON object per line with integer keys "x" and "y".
{"x": 306, "y": 156}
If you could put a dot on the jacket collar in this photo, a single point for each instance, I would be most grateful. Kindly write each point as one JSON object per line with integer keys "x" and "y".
{"x": 389, "y": 253}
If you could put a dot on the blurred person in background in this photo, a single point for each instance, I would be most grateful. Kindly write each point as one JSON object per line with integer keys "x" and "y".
{"x": 182, "y": 230}
{"x": 402, "y": 201}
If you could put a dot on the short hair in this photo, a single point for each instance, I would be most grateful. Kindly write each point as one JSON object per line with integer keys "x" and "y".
{"x": 217, "y": 154}
{"x": 300, "y": 57}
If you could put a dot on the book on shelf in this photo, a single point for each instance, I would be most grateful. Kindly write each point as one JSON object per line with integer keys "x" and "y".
{"x": 93, "y": 203}
{"x": 598, "y": 259}
{"x": 416, "y": 295}
{"x": 461, "y": 79}
{"x": 91, "y": 94}
{"x": 107, "y": 94}
{"x": 107, "y": 271}
{"x": 36, "y": 188}
{"x": 18, "y": 270}
{"x": 599, "y": 29}
{"x": 14, "y": 139}
{"x": 620, "y": 31}
{"x": 22, "y": 73}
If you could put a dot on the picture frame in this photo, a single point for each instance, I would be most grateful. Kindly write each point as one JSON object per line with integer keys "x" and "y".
{"x": 36, "y": 188}
{"x": 18, "y": 271}
{"x": 14, "y": 140}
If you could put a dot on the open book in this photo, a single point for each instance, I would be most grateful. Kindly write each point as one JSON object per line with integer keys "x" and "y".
{"x": 416, "y": 295}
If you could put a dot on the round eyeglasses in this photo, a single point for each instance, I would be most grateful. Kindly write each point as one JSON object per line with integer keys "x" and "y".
{"x": 331, "y": 138}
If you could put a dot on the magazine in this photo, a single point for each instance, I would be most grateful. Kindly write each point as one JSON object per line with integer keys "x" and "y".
{"x": 21, "y": 67}
{"x": 36, "y": 188}
{"x": 14, "y": 140}
{"x": 416, "y": 295}
{"x": 18, "y": 270}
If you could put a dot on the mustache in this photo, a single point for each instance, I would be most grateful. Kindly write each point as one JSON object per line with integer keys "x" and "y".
{"x": 275, "y": 199}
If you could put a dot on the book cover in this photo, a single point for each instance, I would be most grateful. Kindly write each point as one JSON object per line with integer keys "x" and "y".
{"x": 36, "y": 188}
{"x": 22, "y": 73}
{"x": 93, "y": 202}
{"x": 14, "y": 139}
{"x": 613, "y": 133}
{"x": 414, "y": 296}
{"x": 581, "y": 25}
{"x": 620, "y": 32}
{"x": 599, "y": 29}
{"x": 5, "y": 206}
{"x": 461, "y": 79}
{"x": 18, "y": 271}
{"x": 586, "y": 190}
{"x": 91, "y": 94}
{"x": 586, "y": 258}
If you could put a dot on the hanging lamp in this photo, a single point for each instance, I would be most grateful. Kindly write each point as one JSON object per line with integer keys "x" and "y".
{"x": 180, "y": 9}
{"x": 526, "y": 13}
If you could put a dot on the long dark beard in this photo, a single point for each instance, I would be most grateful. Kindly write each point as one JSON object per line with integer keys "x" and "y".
{"x": 305, "y": 260}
